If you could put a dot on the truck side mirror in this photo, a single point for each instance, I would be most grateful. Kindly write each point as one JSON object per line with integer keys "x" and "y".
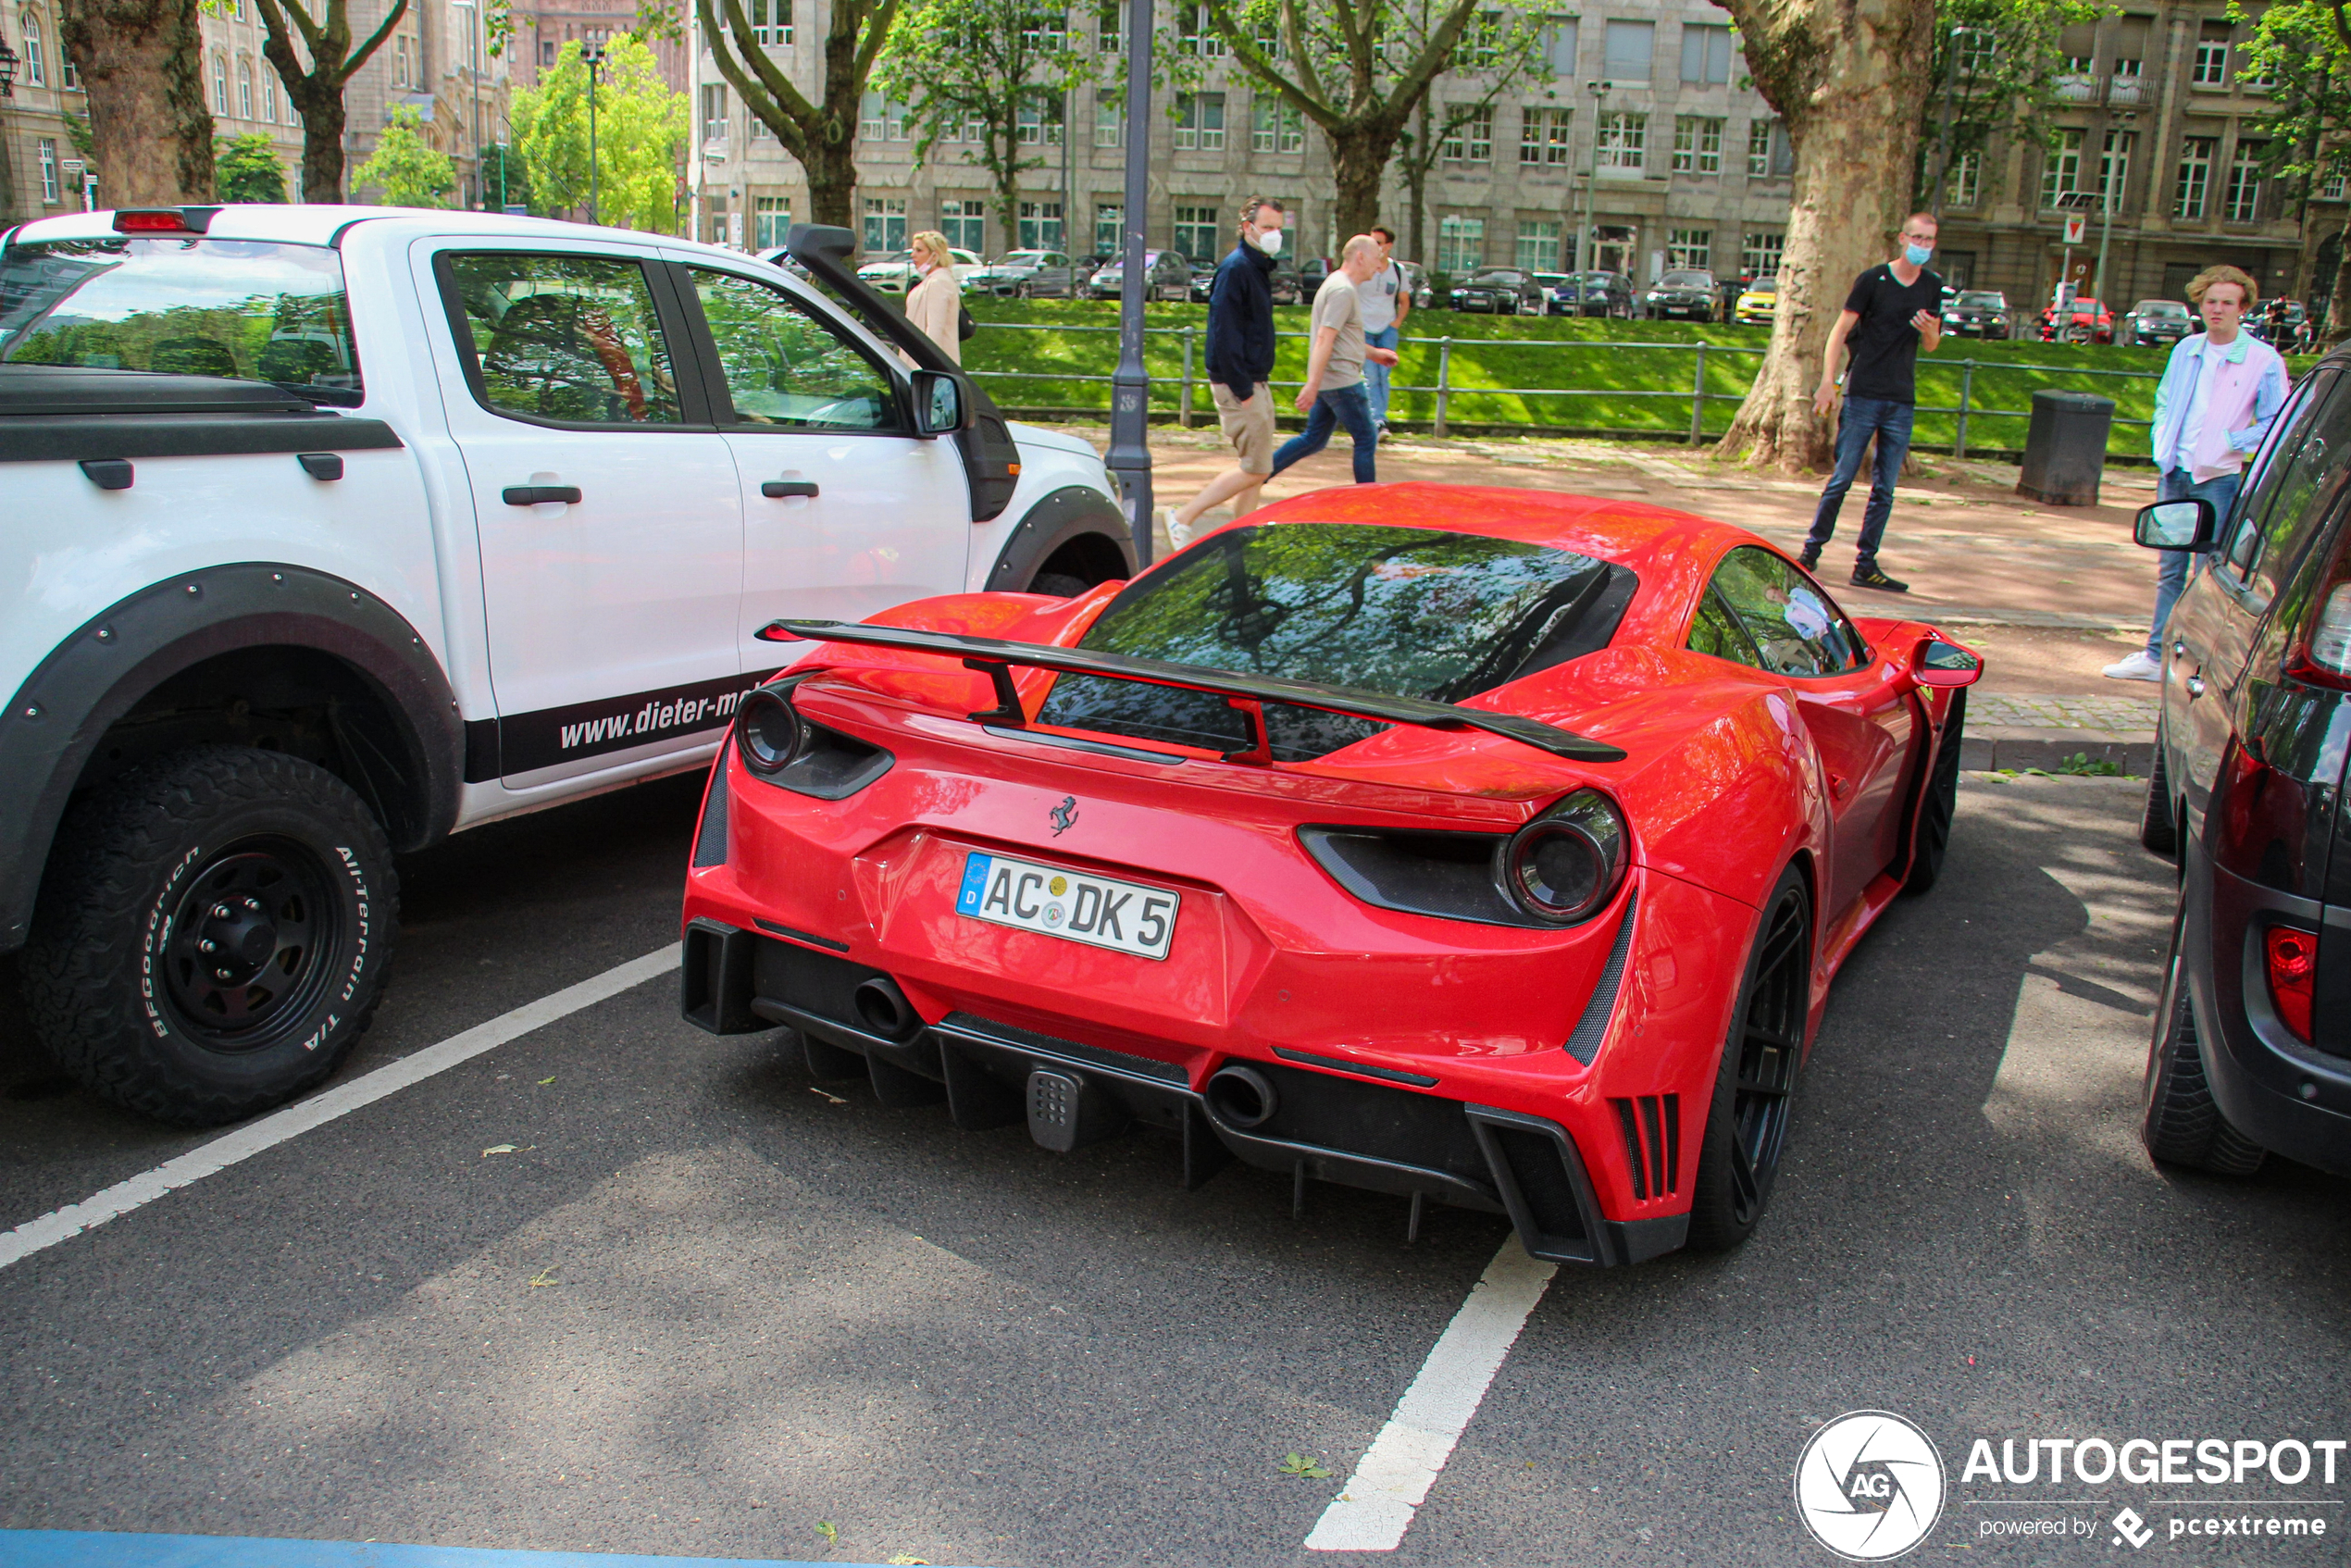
{"x": 2175, "y": 525}
{"x": 938, "y": 403}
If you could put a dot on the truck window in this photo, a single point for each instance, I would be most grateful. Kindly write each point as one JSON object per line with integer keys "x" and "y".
{"x": 787, "y": 366}
{"x": 573, "y": 339}
{"x": 241, "y": 309}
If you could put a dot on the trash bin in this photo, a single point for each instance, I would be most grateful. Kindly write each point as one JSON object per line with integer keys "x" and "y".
{"x": 2065, "y": 449}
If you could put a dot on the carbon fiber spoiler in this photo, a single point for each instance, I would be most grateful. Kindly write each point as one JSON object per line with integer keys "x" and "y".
{"x": 995, "y": 657}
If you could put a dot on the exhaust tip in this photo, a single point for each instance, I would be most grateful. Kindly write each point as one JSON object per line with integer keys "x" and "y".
{"x": 883, "y": 1008}
{"x": 1241, "y": 1096}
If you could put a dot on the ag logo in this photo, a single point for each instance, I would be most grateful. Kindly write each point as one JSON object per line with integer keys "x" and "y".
{"x": 1868, "y": 1485}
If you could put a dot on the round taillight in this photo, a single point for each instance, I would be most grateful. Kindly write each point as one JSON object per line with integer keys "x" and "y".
{"x": 1564, "y": 866}
{"x": 767, "y": 732}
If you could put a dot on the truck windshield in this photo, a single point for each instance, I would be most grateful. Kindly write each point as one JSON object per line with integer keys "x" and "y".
{"x": 243, "y": 309}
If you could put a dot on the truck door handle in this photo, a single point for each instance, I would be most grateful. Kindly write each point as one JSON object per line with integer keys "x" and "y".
{"x": 535, "y": 494}
{"x": 783, "y": 489}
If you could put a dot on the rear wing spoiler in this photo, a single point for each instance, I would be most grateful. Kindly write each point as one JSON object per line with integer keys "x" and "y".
{"x": 994, "y": 657}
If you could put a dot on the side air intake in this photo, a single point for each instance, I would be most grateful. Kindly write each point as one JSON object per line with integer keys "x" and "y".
{"x": 1653, "y": 1127}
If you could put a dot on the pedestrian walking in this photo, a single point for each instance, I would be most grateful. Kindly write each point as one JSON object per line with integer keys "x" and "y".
{"x": 1334, "y": 393}
{"x": 2220, "y": 389}
{"x": 1386, "y": 300}
{"x": 935, "y": 304}
{"x": 1240, "y": 360}
{"x": 1895, "y": 309}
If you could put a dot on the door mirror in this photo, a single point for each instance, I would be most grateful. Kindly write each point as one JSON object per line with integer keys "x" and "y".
{"x": 938, "y": 403}
{"x": 1946, "y": 663}
{"x": 2175, "y": 525}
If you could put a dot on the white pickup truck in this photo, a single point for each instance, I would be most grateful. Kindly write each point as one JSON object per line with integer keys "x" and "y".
{"x": 332, "y": 530}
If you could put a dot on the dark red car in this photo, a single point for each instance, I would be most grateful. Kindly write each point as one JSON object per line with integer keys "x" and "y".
{"x": 1485, "y": 846}
{"x": 2083, "y": 321}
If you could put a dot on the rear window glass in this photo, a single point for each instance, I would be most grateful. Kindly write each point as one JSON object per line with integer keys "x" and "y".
{"x": 242, "y": 309}
{"x": 1402, "y": 611}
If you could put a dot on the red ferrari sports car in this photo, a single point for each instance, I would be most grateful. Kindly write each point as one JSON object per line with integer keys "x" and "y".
{"x": 1487, "y": 846}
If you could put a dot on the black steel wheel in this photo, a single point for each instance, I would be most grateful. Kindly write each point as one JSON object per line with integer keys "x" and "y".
{"x": 1942, "y": 802}
{"x": 1754, "y": 1089}
{"x": 249, "y": 941}
{"x": 2179, "y": 1123}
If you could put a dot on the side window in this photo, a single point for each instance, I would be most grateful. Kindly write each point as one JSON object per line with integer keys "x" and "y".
{"x": 1715, "y": 631}
{"x": 1795, "y": 627}
{"x": 785, "y": 366}
{"x": 2303, "y": 494}
{"x": 2239, "y": 538}
{"x": 568, "y": 337}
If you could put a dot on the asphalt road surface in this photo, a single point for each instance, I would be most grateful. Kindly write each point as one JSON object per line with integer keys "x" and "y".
{"x": 703, "y": 1307}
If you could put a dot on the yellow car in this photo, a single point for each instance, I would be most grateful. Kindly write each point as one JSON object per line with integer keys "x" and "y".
{"x": 1757, "y": 303}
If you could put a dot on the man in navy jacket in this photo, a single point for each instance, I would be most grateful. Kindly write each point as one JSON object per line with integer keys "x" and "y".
{"x": 1240, "y": 363}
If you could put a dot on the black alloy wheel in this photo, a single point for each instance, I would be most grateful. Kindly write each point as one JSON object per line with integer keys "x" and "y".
{"x": 1942, "y": 802}
{"x": 1747, "y": 1123}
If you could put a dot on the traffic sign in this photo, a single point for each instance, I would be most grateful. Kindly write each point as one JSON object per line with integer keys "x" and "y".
{"x": 2076, "y": 228}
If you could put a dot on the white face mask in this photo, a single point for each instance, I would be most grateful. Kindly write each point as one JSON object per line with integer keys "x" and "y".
{"x": 1270, "y": 241}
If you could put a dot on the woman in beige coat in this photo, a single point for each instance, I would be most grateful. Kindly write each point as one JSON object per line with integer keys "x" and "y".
{"x": 935, "y": 304}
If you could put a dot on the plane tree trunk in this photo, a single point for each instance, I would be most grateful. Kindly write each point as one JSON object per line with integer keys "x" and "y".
{"x": 142, "y": 64}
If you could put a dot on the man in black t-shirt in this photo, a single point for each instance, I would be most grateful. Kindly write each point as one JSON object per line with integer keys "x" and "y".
{"x": 1895, "y": 309}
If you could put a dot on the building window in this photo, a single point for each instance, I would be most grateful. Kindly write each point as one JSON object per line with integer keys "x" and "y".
{"x": 1542, "y": 138}
{"x": 1760, "y": 255}
{"x": 1109, "y": 218}
{"x": 1560, "y": 39}
{"x": 546, "y": 54}
{"x": 1623, "y": 142}
{"x": 400, "y": 60}
{"x": 1037, "y": 122}
{"x": 1460, "y": 244}
{"x": 772, "y": 219}
{"x": 1470, "y": 137}
{"x": 1963, "y": 184}
{"x": 2242, "y": 203}
{"x": 1108, "y": 38}
{"x": 2114, "y": 168}
{"x": 1110, "y": 121}
{"x": 2126, "y": 70}
{"x": 1276, "y": 127}
{"x": 2211, "y": 66}
{"x": 1040, "y": 227}
{"x": 1706, "y": 54}
{"x": 1538, "y": 244}
{"x": 1759, "y": 149}
{"x": 1200, "y": 122}
{"x": 269, "y": 95}
{"x": 2332, "y": 186}
{"x": 1200, "y": 35}
{"x": 69, "y": 80}
{"x": 244, "y": 87}
{"x": 1689, "y": 249}
{"x": 885, "y": 224}
{"x": 220, "y": 84}
{"x": 1048, "y": 30}
{"x": 2196, "y": 175}
{"x": 714, "y": 115}
{"x": 1196, "y": 231}
{"x": 965, "y": 222}
{"x": 770, "y": 22}
{"x": 1698, "y": 145}
{"x": 2061, "y": 171}
{"x": 870, "y": 126}
{"x": 48, "y": 171}
{"x": 36, "y": 67}
{"x": 1628, "y": 51}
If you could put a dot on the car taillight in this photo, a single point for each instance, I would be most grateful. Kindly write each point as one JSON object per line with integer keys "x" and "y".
{"x": 2324, "y": 656}
{"x": 768, "y": 732}
{"x": 2293, "y": 967}
{"x": 1564, "y": 866}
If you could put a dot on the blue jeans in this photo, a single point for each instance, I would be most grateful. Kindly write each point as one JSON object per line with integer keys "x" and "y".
{"x": 1376, "y": 375}
{"x": 2173, "y": 565}
{"x": 1339, "y": 406}
{"x": 1864, "y": 418}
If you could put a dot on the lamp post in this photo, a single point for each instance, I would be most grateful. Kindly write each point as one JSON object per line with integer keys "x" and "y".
{"x": 1130, "y": 453}
{"x": 1588, "y": 260}
{"x": 473, "y": 65}
{"x": 2110, "y": 193}
{"x": 592, "y": 57}
{"x": 7, "y": 70}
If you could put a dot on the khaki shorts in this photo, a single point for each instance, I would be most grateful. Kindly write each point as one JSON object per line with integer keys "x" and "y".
{"x": 1249, "y": 426}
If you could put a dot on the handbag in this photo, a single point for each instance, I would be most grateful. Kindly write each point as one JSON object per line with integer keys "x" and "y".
{"x": 964, "y": 325}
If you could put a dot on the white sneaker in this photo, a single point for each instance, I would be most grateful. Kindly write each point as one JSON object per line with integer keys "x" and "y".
{"x": 2140, "y": 665}
{"x": 1178, "y": 535}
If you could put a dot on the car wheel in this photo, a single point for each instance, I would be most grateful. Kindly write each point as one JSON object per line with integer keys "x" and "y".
{"x": 1941, "y": 803}
{"x": 2179, "y": 1124}
{"x": 2158, "y": 830}
{"x": 1747, "y": 1121}
{"x": 2075, "y": 335}
{"x": 212, "y": 934}
{"x": 1060, "y": 585}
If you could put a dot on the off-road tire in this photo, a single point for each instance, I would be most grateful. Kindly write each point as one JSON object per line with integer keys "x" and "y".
{"x": 2179, "y": 1123}
{"x": 2158, "y": 830}
{"x": 1731, "y": 1188}
{"x": 1060, "y": 585}
{"x": 1941, "y": 803}
{"x": 112, "y": 985}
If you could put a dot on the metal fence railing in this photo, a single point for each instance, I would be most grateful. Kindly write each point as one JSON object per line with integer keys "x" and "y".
{"x": 1447, "y": 391}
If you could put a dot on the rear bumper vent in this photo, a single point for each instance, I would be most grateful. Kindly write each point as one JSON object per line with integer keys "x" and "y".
{"x": 1653, "y": 1127}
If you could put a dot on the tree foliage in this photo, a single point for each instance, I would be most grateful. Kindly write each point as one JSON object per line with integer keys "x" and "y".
{"x": 819, "y": 134}
{"x": 1507, "y": 51}
{"x": 969, "y": 71}
{"x": 2303, "y": 47}
{"x": 245, "y": 168}
{"x": 640, "y": 135}
{"x": 1994, "y": 65}
{"x": 405, "y": 171}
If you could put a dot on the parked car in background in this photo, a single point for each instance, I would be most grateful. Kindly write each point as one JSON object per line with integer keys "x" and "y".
{"x": 1027, "y": 275}
{"x": 1757, "y": 303}
{"x": 1166, "y": 276}
{"x": 1550, "y": 283}
{"x": 1977, "y": 312}
{"x": 1416, "y": 280}
{"x": 2251, "y": 1048}
{"x": 1504, "y": 291}
{"x": 894, "y": 273}
{"x": 2083, "y": 321}
{"x": 2279, "y": 323}
{"x": 1313, "y": 270}
{"x": 1204, "y": 281}
{"x": 2153, "y": 323}
{"x": 1687, "y": 293}
{"x": 1599, "y": 293}
{"x": 1282, "y": 283}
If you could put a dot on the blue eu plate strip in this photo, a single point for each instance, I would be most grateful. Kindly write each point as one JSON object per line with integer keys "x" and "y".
{"x": 976, "y": 869}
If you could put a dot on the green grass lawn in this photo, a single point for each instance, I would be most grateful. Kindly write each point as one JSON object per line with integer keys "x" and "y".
{"x": 1603, "y": 382}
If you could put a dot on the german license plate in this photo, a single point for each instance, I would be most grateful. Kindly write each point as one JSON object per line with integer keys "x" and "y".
{"x": 1070, "y": 904}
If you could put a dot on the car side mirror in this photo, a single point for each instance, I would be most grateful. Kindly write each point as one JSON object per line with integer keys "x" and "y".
{"x": 1946, "y": 663}
{"x": 938, "y": 403}
{"x": 2175, "y": 525}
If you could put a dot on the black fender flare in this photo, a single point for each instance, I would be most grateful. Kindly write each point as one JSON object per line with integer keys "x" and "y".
{"x": 1058, "y": 518}
{"x": 99, "y": 672}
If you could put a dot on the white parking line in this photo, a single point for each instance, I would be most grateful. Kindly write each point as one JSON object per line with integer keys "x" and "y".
{"x": 61, "y": 1224}
{"x": 1375, "y": 1507}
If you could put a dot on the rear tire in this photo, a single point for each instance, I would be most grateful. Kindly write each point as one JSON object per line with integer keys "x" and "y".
{"x": 2179, "y": 1124}
{"x": 2158, "y": 830}
{"x": 1060, "y": 585}
{"x": 212, "y": 934}
{"x": 1747, "y": 1121}
{"x": 1941, "y": 805}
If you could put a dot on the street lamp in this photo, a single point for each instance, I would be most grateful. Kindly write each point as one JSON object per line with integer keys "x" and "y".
{"x": 473, "y": 60}
{"x": 2110, "y": 193}
{"x": 7, "y": 70}
{"x": 1586, "y": 260}
{"x": 591, "y": 55}
{"x": 1131, "y": 453}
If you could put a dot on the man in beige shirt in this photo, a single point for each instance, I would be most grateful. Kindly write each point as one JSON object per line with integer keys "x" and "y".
{"x": 1334, "y": 393}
